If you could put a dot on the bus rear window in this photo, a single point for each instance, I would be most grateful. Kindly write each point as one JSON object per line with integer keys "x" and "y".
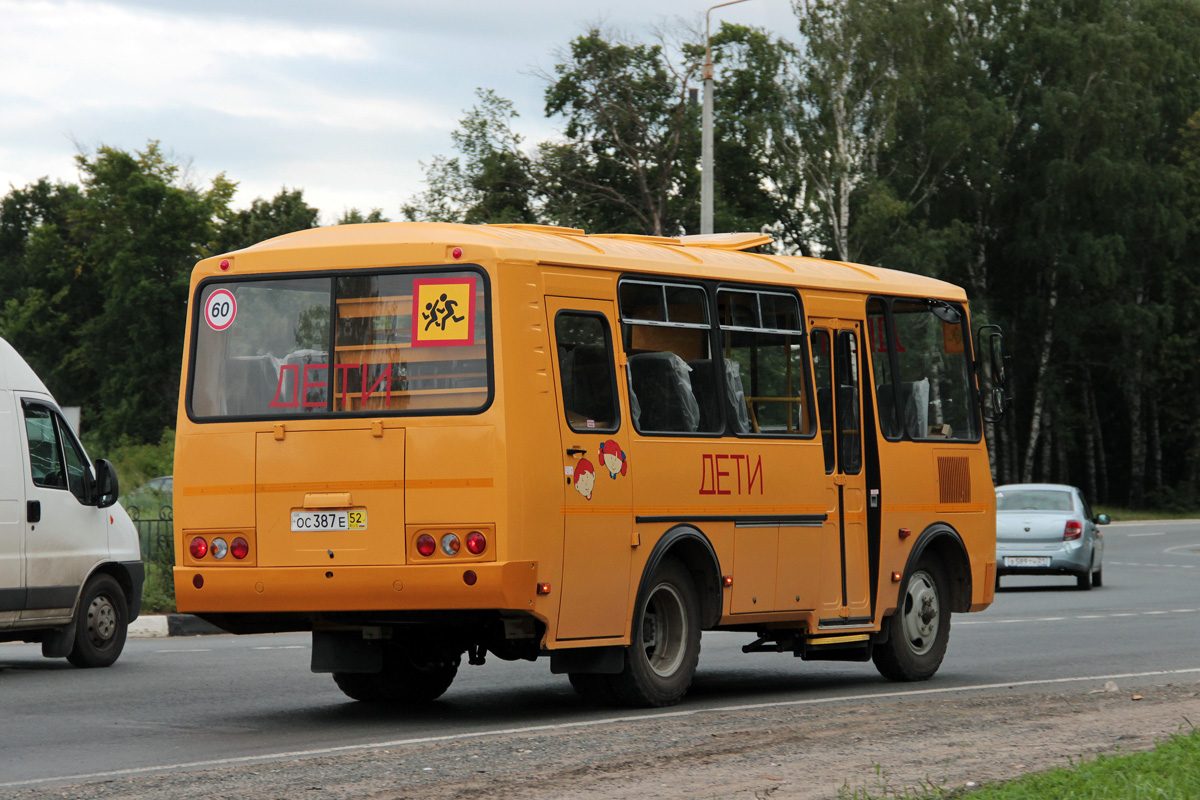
{"x": 404, "y": 343}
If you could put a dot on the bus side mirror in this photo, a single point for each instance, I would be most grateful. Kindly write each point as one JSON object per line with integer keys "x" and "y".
{"x": 990, "y": 365}
{"x": 107, "y": 487}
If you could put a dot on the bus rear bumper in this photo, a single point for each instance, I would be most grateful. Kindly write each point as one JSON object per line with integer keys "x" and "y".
{"x": 503, "y": 585}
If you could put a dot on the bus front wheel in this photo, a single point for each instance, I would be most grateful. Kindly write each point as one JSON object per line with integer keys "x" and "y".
{"x": 406, "y": 679}
{"x": 665, "y": 643}
{"x": 919, "y": 630}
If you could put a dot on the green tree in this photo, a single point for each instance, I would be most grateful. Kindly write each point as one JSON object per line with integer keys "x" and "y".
{"x": 98, "y": 280}
{"x": 266, "y": 219}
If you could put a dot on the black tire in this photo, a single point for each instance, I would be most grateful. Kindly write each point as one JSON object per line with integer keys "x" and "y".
{"x": 591, "y": 687}
{"x": 1083, "y": 580}
{"x": 404, "y": 680}
{"x": 665, "y": 643}
{"x": 1098, "y": 577}
{"x": 920, "y": 629}
{"x": 101, "y": 623}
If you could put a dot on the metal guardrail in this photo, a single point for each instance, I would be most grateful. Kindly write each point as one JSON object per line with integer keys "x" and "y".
{"x": 156, "y": 535}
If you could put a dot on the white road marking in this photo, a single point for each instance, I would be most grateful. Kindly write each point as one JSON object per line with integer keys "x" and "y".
{"x": 566, "y": 726}
{"x": 1157, "y": 533}
{"x": 282, "y": 647}
{"x": 1016, "y": 620}
{"x": 1153, "y": 566}
{"x": 194, "y": 650}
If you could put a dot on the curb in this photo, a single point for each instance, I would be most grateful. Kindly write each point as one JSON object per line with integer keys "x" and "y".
{"x": 161, "y": 625}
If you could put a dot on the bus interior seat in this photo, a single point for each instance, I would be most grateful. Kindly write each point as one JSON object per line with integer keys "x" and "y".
{"x": 317, "y": 364}
{"x": 914, "y": 402}
{"x": 704, "y": 387}
{"x": 250, "y": 384}
{"x": 664, "y": 391}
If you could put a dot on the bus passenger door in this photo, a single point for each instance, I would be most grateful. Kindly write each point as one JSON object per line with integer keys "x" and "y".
{"x": 598, "y": 495}
{"x": 845, "y": 595}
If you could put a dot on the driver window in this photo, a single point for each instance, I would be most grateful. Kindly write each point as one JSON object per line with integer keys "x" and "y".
{"x": 45, "y": 454}
{"x": 77, "y": 465}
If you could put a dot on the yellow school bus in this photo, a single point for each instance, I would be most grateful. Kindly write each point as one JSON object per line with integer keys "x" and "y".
{"x": 425, "y": 441}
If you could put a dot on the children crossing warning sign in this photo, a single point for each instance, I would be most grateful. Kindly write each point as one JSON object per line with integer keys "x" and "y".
{"x": 443, "y": 312}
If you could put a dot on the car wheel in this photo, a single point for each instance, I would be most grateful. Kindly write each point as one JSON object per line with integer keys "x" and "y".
{"x": 1083, "y": 580}
{"x": 919, "y": 630}
{"x": 404, "y": 680}
{"x": 101, "y": 623}
{"x": 1098, "y": 577}
{"x": 665, "y": 645}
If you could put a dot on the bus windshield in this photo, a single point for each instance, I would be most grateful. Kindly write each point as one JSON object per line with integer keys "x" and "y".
{"x": 403, "y": 343}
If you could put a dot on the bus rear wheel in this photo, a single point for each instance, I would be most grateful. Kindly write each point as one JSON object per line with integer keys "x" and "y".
{"x": 406, "y": 679}
{"x": 919, "y": 630}
{"x": 665, "y": 644}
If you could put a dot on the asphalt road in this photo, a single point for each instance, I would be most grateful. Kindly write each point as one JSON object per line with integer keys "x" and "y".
{"x": 191, "y": 702}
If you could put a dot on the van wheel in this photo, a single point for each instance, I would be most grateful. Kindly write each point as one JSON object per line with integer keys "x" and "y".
{"x": 665, "y": 647}
{"x": 101, "y": 622}
{"x": 405, "y": 679}
{"x": 919, "y": 630}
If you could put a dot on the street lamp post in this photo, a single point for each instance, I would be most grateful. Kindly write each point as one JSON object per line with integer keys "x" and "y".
{"x": 706, "y": 128}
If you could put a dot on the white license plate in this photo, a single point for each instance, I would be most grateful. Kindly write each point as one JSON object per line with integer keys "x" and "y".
{"x": 1027, "y": 561}
{"x": 348, "y": 520}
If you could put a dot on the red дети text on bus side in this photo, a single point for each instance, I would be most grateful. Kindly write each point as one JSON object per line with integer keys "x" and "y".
{"x": 717, "y": 474}
{"x": 301, "y": 386}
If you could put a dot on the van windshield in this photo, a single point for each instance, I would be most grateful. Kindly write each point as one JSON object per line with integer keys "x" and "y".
{"x": 404, "y": 343}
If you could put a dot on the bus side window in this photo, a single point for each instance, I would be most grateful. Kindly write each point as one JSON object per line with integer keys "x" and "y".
{"x": 763, "y": 341}
{"x": 672, "y": 383}
{"x": 822, "y": 356}
{"x": 879, "y": 343}
{"x": 585, "y": 361}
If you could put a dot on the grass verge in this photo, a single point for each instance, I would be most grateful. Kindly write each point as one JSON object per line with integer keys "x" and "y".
{"x": 1171, "y": 771}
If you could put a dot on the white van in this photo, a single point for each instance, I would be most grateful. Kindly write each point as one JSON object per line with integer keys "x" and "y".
{"x": 71, "y": 572}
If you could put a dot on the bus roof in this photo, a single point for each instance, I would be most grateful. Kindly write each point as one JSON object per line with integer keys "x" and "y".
{"x": 718, "y": 256}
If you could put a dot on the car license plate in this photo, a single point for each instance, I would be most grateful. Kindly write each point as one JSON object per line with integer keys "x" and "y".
{"x": 1027, "y": 561}
{"x": 346, "y": 520}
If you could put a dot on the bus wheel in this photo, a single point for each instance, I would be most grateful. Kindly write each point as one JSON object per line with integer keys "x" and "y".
{"x": 665, "y": 647}
{"x": 405, "y": 680}
{"x": 920, "y": 628}
{"x": 591, "y": 687}
{"x": 101, "y": 623}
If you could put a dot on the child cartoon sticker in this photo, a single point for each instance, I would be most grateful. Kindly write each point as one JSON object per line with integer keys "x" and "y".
{"x": 584, "y": 478}
{"x": 613, "y": 457}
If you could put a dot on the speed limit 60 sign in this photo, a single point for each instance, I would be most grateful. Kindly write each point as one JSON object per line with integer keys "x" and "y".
{"x": 220, "y": 309}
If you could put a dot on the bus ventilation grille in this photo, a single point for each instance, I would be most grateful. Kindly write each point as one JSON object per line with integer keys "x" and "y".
{"x": 954, "y": 479}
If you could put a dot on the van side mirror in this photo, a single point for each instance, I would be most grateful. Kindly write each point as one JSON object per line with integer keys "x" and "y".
{"x": 107, "y": 487}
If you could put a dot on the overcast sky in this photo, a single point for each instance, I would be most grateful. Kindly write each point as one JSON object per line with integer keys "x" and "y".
{"x": 342, "y": 99}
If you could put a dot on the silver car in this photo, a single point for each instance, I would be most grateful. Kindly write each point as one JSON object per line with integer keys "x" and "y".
{"x": 1048, "y": 529}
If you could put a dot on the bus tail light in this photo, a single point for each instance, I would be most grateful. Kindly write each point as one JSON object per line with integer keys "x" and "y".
{"x": 426, "y": 545}
{"x": 451, "y": 544}
{"x": 1073, "y": 530}
{"x": 198, "y": 547}
{"x": 220, "y": 548}
{"x": 469, "y": 577}
{"x": 240, "y": 548}
{"x": 476, "y": 543}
